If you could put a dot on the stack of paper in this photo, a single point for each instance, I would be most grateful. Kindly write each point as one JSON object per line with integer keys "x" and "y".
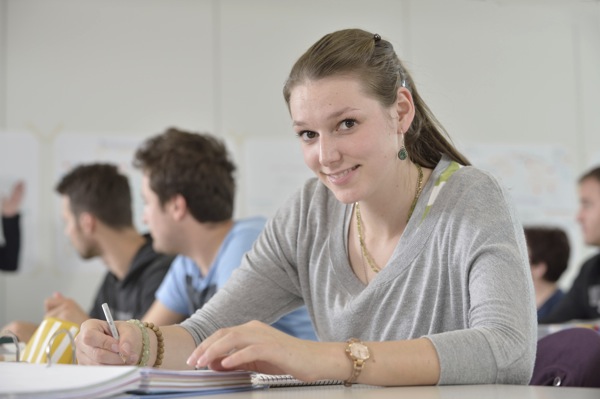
{"x": 72, "y": 381}
{"x": 65, "y": 380}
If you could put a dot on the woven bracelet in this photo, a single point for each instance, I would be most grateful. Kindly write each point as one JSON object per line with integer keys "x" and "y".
{"x": 160, "y": 343}
{"x": 145, "y": 342}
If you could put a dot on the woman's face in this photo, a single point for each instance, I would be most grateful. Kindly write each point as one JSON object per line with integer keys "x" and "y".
{"x": 348, "y": 139}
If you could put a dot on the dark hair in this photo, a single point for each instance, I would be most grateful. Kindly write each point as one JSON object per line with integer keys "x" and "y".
{"x": 551, "y": 246}
{"x": 591, "y": 174}
{"x": 194, "y": 165}
{"x": 101, "y": 190}
{"x": 373, "y": 61}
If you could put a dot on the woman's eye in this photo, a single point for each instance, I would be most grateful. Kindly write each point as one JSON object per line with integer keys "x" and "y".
{"x": 307, "y": 135}
{"x": 348, "y": 123}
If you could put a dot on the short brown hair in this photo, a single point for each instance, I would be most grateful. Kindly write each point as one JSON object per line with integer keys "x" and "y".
{"x": 551, "y": 246}
{"x": 591, "y": 174}
{"x": 194, "y": 165}
{"x": 101, "y": 190}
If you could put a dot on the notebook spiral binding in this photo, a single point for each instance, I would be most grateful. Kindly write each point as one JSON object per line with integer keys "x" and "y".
{"x": 285, "y": 380}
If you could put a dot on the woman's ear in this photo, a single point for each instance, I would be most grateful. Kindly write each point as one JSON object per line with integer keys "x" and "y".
{"x": 405, "y": 108}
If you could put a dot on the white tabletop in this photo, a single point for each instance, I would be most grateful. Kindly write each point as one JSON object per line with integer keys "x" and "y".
{"x": 442, "y": 392}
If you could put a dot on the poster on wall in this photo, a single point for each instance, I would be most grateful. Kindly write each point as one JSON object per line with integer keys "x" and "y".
{"x": 20, "y": 161}
{"x": 74, "y": 149}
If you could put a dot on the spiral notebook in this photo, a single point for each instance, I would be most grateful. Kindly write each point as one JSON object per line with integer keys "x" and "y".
{"x": 284, "y": 380}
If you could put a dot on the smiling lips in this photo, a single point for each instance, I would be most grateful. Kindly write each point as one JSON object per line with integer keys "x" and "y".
{"x": 340, "y": 177}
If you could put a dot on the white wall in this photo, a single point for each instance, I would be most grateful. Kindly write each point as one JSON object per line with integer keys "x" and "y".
{"x": 503, "y": 72}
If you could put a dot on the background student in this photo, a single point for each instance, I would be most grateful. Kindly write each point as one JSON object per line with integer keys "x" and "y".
{"x": 549, "y": 250}
{"x": 96, "y": 208}
{"x": 582, "y": 301}
{"x": 189, "y": 190}
{"x": 413, "y": 265}
{"x": 11, "y": 205}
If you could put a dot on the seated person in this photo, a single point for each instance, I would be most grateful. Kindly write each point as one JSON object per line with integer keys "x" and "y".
{"x": 582, "y": 301}
{"x": 96, "y": 208}
{"x": 411, "y": 263}
{"x": 9, "y": 251}
{"x": 188, "y": 189}
{"x": 548, "y": 258}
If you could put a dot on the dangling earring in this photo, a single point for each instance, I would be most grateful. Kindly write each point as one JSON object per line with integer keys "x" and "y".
{"x": 402, "y": 154}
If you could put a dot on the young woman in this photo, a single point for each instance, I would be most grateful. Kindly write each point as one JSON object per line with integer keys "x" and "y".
{"x": 412, "y": 264}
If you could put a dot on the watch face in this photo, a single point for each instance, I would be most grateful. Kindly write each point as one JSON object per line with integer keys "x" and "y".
{"x": 359, "y": 351}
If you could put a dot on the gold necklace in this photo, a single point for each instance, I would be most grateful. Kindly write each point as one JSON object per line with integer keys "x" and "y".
{"x": 418, "y": 193}
{"x": 363, "y": 247}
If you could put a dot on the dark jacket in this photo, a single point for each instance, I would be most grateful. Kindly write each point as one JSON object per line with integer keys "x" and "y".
{"x": 582, "y": 302}
{"x": 131, "y": 297}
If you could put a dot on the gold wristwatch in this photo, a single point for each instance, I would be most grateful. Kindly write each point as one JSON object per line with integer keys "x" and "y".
{"x": 358, "y": 353}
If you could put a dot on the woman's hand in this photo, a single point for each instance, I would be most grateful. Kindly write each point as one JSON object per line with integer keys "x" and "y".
{"x": 95, "y": 344}
{"x": 258, "y": 347}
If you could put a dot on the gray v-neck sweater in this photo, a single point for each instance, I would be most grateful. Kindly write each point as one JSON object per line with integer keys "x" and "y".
{"x": 458, "y": 276}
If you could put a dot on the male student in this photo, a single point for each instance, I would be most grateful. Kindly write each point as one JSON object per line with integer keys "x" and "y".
{"x": 9, "y": 251}
{"x": 582, "y": 302}
{"x": 188, "y": 189}
{"x": 96, "y": 208}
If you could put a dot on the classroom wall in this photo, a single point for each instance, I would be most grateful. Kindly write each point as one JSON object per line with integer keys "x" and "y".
{"x": 513, "y": 81}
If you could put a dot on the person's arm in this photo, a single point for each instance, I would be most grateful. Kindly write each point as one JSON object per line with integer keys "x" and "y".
{"x": 64, "y": 308}
{"x": 9, "y": 252}
{"x": 258, "y": 347}
{"x": 24, "y": 330}
{"x": 160, "y": 315}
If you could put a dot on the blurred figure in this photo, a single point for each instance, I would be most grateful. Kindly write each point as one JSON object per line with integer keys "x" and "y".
{"x": 549, "y": 252}
{"x": 189, "y": 189}
{"x": 582, "y": 302}
{"x": 96, "y": 208}
{"x": 9, "y": 252}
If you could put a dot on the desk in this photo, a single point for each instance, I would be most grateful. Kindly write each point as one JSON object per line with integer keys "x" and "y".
{"x": 442, "y": 392}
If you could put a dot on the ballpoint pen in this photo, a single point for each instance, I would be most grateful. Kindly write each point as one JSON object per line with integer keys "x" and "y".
{"x": 110, "y": 320}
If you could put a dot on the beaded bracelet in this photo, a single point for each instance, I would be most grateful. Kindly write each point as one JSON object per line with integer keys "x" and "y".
{"x": 160, "y": 343}
{"x": 145, "y": 342}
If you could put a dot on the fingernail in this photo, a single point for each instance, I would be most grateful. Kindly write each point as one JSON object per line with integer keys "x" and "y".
{"x": 114, "y": 348}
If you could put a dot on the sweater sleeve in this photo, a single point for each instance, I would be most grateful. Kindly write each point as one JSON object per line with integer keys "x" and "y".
{"x": 265, "y": 286}
{"x": 499, "y": 343}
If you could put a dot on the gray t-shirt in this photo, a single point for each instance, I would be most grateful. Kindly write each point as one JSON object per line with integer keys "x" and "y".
{"x": 459, "y": 276}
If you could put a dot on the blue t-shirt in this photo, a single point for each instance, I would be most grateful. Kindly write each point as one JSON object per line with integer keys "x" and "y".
{"x": 184, "y": 288}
